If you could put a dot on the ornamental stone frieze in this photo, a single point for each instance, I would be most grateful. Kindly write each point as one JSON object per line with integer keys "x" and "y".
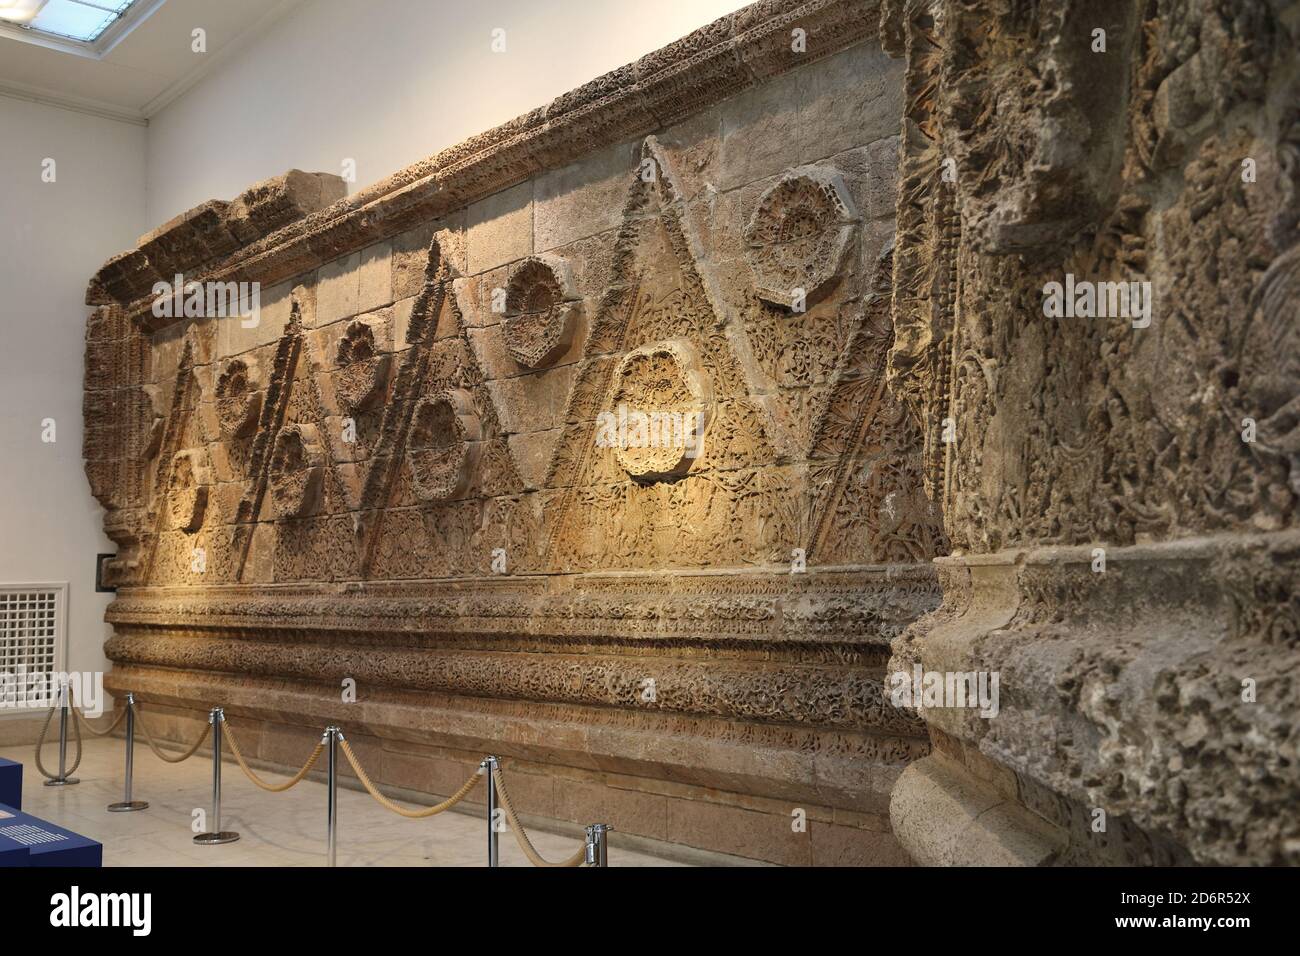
{"x": 651, "y": 436}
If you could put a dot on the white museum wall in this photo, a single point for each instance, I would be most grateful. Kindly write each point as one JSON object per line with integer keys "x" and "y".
{"x": 387, "y": 83}
{"x": 53, "y": 238}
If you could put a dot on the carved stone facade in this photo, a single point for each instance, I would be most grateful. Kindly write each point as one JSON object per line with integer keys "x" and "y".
{"x": 409, "y": 470}
{"x": 1120, "y": 493}
{"x": 431, "y": 464}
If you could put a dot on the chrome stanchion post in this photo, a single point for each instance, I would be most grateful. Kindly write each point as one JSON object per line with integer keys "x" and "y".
{"x": 489, "y": 766}
{"x": 332, "y": 737}
{"x": 216, "y": 835}
{"x": 127, "y": 803}
{"x": 63, "y": 780}
{"x": 598, "y": 844}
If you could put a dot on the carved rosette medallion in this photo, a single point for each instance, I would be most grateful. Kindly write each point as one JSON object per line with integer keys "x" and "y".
{"x": 444, "y": 445}
{"x": 541, "y": 311}
{"x": 799, "y": 235}
{"x": 363, "y": 372}
{"x": 239, "y": 398}
{"x": 187, "y": 490}
{"x": 297, "y": 471}
{"x": 660, "y": 410}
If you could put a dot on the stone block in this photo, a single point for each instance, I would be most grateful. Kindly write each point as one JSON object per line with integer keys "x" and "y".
{"x": 835, "y": 845}
{"x": 850, "y": 99}
{"x": 628, "y": 811}
{"x": 532, "y": 454}
{"x": 532, "y": 402}
{"x": 760, "y": 132}
{"x": 758, "y": 836}
{"x": 338, "y": 289}
{"x": 236, "y": 335}
{"x": 375, "y": 277}
{"x": 583, "y": 198}
{"x": 499, "y": 229}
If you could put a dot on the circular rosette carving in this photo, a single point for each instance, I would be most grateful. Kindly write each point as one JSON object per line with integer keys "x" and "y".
{"x": 363, "y": 371}
{"x": 443, "y": 447}
{"x": 799, "y": 235}
{"x": 660, "y": 409}
{"x": 541, "y": 311}
{"x": 239, "y": 398}
{"x": 188, "y": 480}
{"x": 297, "y": 471}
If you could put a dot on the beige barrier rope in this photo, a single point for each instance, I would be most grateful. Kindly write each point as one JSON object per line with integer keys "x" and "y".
{"x": 447, "y": 804}
{"x": 274, "y": 788}
{"x": 148, "y": 737}
{"x": 535, "y": 858}
{"x": 40, "y": 742}
{"x": 101, "y": 733}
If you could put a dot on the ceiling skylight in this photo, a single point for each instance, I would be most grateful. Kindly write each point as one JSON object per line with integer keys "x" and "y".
{"x": 81, "y": 20}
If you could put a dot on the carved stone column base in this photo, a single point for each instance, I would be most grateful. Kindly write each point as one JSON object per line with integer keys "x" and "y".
{"x": 1144, "y": 710}
{"x": 949, "y": 818}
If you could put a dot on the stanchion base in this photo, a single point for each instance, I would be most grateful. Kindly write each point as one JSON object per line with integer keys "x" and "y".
{"x": 126, "y": 806}
{"x": 65, "y": 782}
{"x": 211, "y": 839}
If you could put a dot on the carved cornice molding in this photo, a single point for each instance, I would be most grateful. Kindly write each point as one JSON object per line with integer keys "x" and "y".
{"x": 717, "y": 61}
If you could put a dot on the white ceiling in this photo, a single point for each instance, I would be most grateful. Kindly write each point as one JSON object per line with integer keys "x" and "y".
{"x": 144, "y": 72}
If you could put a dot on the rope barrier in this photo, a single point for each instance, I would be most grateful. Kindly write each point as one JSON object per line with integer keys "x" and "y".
{"x": 101, "y": 733}
{"x": 447, "y": 804}
{"x": 521, "y": 837}
{"x": 148, "y": 738}
{"x": 40, "y": 742}
{"x": 496, "y": 783}
{"x": 273, "y": 788}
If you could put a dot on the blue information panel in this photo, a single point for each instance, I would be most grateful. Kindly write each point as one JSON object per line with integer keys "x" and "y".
{"x": 11, "y": 783}
{"x": 28, "y": 841}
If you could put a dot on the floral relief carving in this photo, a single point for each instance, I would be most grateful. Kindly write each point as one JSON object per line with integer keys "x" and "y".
{"x": 799, "y": 235}
{"x": 297, "y": 471}
{"x": 239, "y": 398}
{"x": 541, "y": 311}
{"x": 444, "y": 445}
{"x": 663, "y": 397}
{"x": 363, "y": 370}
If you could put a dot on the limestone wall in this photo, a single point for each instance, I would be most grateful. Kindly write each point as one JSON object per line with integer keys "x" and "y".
{"x": 397, "y": 475}
{"x": 830, "y": 230}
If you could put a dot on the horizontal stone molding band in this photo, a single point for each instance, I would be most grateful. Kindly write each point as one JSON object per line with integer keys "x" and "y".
{"x": 864, "y": 608}
{"x": 841, "y": 768}
{"x": 829, "y": 696}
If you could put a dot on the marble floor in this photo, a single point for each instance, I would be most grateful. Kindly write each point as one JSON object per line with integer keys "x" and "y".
{"x": 276, "y": 829}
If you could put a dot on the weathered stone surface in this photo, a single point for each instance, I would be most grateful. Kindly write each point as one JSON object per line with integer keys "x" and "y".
{"x": 1098, "y": 476}
{"x": 499, "y": 229}
{"x": 338, "y": 290}
{"x": 411, "y": 472}
{"x": 581, "y": 199}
